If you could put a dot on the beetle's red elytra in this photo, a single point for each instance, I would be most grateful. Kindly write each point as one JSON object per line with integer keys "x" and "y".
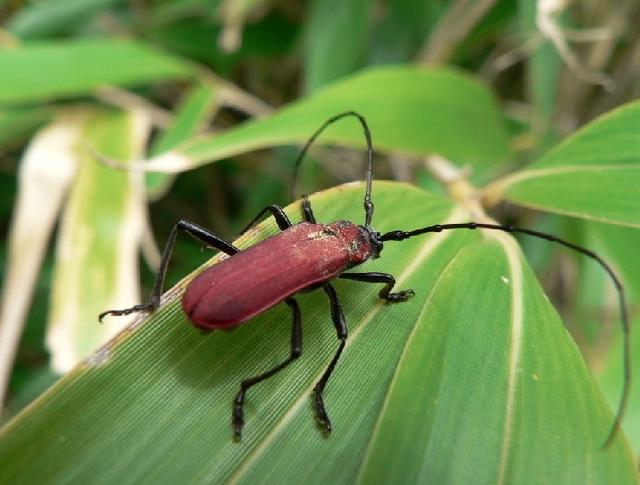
{"x": 307, "y": 256}
{"x": 302, "y": 256}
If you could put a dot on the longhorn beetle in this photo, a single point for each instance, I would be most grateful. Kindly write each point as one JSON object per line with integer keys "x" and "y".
{"x": 307, "y": 256}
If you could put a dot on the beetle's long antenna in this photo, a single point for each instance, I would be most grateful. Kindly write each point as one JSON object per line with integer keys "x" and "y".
{"x": 368, "y": 205}
{"x": 401, "y": 235}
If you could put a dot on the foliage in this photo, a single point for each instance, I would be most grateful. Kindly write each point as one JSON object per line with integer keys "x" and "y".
{"x": 473, "y": 380}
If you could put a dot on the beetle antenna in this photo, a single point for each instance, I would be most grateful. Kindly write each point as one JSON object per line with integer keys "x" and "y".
{"x": 624, "y": 317}
{"x": 368, "y": 204}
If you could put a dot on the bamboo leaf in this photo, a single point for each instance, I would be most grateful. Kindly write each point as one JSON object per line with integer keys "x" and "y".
{"x": 620, "y": 247}
{"x": 410, "y": 110}
{"x": 519, "y": 428}
{"x": 154, "y": 405}
{"x": 336, "y": 40}
{"x": 192, "y": 116}
{"x": 99, "y": 239}
{"x": 594, "y": 174}
{"x": 609, "y": 378}
{"x": 77, "y": 67}
{"x": 49, "y": 17}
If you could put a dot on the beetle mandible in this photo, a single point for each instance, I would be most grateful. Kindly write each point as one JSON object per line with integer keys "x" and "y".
{"x": 307, "y": 256}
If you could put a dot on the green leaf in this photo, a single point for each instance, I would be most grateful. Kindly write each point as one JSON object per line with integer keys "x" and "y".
{"x": 621, "y": 249}
{"x": 192, "y": 116}
{"x": 78, "y": 67}
{"x": 399, "y": 36}
{"x": 539, "y": 417}
{"x": 420, "y": 111}
{"x": 543, "y": 67}
{"x": 594, "y": 174}
{"x": 49, "y": 17}
{"x": 335, "y": 40}
{"x": 610, "y": 379}
{"x": 99, "y": 238}
{"x": 154, "y": 405}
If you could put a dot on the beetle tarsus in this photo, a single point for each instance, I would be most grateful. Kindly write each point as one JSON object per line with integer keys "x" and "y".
{"x": 296, "y": 351}
{"x": 238, "y": 415}
{"x": 127, "y": 311}
{"x": 321, "y": 412}
{"x": 400, "y": 296}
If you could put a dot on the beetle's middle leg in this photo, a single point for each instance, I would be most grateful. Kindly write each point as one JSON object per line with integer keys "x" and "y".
{"x": 341, "y": 328}
{"x": 296, "y": 351}
{"x": 385, "y": 293}
{"x": 195, "y": 231}
{"x": 307, "y": 212}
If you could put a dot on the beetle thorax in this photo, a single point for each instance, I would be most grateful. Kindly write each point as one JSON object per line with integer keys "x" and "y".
{"x": 357, "y": 240}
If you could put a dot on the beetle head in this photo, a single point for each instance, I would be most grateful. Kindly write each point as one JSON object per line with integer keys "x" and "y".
{"x": 373, "y": 238}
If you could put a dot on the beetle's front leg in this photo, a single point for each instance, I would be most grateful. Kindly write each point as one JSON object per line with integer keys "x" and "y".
{"x": 195, "y": 231}
{"x": 385, "y": 293}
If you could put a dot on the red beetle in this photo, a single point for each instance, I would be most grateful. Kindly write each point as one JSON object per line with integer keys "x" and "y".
{"x": 217, "y": 297}
{"x": 308, "y": 256}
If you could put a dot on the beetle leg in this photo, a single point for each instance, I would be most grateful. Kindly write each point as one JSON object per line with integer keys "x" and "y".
{"x": 307, "y": 211}
{"x": 296, "y": 351}
{"x": 385, "y": 293}
{"x": 341, "y": 327}
{"x": 277, "y": 212}
{"x": 197, "y": 232}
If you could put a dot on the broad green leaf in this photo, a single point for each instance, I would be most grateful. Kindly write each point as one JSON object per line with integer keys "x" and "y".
{"x": 610, "y": 379}
{"x": 49, "y": 17}
{"x": 594, "y": 174}
{"x": 78, "y": 67}
{"x": 411, "y": 110}
{"x": 192, "y": 116}
{"x": 335, "y": 41}
{"x": 534, "y": 424}
{"x": 98, "y": 243}
{"x": 154, "y": 405}
{"x": 621, "y": 249}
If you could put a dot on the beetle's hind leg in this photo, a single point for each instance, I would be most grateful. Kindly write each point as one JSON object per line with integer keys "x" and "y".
{"x": 195, "y": 231}
{"x": 385, "y": 293}
{"x": 296, "y": 351}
